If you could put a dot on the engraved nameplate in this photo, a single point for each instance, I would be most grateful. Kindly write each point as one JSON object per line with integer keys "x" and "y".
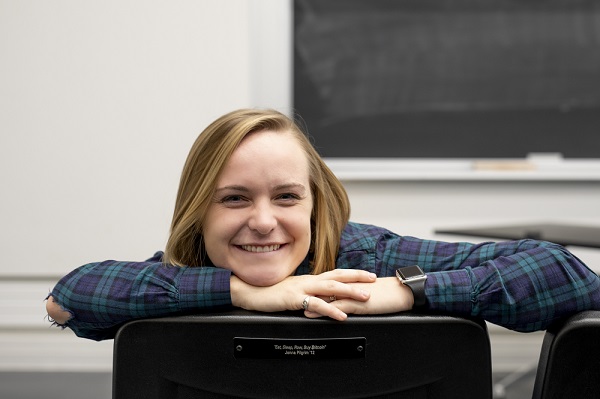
{"x": 313, "y": 348}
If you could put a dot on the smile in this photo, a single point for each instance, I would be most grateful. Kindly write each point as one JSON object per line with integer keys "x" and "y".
{"x": 266, "y": 248}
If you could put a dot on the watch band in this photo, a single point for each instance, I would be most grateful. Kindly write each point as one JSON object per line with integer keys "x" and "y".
{"x": 418, "y": 290}
{"x": 414, "y": 278}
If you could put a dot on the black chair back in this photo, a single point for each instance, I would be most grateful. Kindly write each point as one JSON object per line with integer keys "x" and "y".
{"x": 569, "y": 365}
{"x": 285, "y": 355}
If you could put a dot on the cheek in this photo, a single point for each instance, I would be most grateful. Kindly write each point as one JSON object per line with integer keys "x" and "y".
{"x": 217, "y": 232}
{"x": 302, "y": 228}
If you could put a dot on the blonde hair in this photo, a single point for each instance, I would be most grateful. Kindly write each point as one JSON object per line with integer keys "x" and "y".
{"x": 207, "y": 158}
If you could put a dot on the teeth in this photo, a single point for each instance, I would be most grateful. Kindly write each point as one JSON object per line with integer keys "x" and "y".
{"x": 267, "y": 248}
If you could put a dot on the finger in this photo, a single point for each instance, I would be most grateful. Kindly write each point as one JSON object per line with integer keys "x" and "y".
{"x": 327, "y": 290}
{"x": 312, "y": 315}
{"x": 349, "y": 276}
{"x": 350, "y": 306}
{"x": 316, "y": 307}
{"x": 329, "y": 298}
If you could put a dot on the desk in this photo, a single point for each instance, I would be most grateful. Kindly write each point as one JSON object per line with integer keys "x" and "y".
{"x": 564, "y": 234}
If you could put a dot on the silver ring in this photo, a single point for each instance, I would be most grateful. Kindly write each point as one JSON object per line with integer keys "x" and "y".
{"x": 305, "y": 303}
{"x": 332, "y": 298}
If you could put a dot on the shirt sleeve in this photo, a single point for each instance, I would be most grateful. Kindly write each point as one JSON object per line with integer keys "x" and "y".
{"x": 522, "y": 285}
{"x": 102, "y": 296}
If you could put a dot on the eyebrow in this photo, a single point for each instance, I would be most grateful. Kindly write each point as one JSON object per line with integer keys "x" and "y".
{"x": 232, "y": 188}
{"x": 279, "y": 187}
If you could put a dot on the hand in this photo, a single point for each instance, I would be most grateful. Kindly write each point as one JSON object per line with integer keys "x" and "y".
{"x": 290, "y": 293}
{"x": 388, "y": 295}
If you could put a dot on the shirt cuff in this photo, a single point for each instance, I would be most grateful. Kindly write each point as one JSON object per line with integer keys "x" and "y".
{"x": 202, "y": 288}
{"x": 449, "y": 292}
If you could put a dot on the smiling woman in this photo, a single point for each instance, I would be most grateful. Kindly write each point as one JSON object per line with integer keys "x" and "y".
{"x": 254, "y": 145}
{"x": 261, "y": 223}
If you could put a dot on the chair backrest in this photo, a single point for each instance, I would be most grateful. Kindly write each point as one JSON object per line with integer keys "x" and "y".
{"x": 569, "y": 365}
{"x": 285, "y": 355}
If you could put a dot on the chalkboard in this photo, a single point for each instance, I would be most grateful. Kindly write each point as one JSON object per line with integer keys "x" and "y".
{"x": 448, "y": 78}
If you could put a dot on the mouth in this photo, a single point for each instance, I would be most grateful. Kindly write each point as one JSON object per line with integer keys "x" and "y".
{"x": 260, "y": 248}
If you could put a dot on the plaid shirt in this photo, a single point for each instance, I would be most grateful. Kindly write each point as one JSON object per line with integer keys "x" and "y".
{"x": 522, "y": 285}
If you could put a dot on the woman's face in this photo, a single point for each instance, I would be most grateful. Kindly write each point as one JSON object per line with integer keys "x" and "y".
{"x": 258, "y": 224}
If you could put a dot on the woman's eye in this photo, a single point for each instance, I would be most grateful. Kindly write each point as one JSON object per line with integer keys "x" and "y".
{"x": 288, "y": 197}
{"x": 232, "y": 199}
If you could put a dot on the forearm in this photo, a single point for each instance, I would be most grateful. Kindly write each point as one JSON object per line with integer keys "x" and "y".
{"x": 525, "y": 291}
{"x": 102, "y": 296}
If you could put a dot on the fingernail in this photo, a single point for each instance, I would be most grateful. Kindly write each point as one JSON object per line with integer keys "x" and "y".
{"x": 373, "y": 275}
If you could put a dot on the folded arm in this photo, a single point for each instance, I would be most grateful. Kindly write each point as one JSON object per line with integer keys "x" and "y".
{"x": 95, "y": 299}
{"x": 523, "y": 285}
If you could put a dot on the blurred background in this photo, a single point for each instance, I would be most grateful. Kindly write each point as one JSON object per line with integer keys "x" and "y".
{"x": 99, "y": 105}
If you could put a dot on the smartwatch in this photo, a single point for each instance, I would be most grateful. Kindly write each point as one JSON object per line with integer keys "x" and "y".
{"x": 414, "y": 278}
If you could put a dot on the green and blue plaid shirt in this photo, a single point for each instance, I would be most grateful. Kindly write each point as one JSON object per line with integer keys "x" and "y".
{"x": 522, "y": 285}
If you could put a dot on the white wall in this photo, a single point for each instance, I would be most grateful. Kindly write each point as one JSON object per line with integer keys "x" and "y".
{"x": 100, "y": 102}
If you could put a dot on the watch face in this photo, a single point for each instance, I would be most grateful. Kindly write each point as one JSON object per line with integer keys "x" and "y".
{"x": 410, "y": 272}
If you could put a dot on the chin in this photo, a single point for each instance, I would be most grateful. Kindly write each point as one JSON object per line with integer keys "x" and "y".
{"x": 263, "y": 280}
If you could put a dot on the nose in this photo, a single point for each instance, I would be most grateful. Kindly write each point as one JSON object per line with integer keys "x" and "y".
{"x": 263, "y": 219}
